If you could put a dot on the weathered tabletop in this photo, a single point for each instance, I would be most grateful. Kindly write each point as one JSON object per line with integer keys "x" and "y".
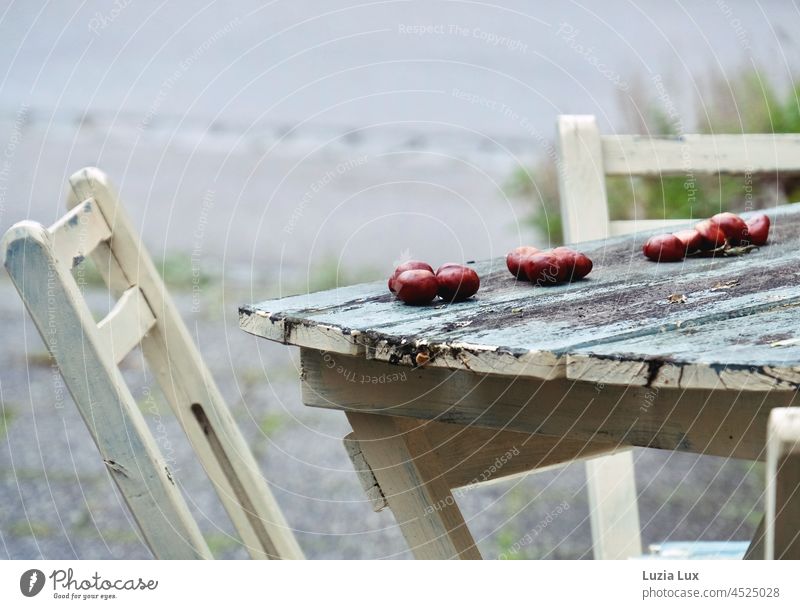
{"x": 705, "y": 323}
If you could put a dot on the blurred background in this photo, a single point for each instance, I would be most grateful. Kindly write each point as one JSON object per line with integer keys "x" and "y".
{"x": 272, "y": 149}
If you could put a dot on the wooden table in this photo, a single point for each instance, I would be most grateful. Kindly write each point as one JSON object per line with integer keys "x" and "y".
{"x": 684, "y": 356}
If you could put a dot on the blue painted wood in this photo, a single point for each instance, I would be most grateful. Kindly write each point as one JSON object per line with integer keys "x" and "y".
{"x": 698, "y": 550}
{"x": 513, "y": 327}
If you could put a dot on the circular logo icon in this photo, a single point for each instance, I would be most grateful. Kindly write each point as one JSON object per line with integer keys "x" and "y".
{"x": 31, "y": 582}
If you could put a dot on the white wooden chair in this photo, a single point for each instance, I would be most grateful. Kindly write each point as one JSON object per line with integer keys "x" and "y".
{"x": 585, "y": 158}
{"x": 39, "y": 261}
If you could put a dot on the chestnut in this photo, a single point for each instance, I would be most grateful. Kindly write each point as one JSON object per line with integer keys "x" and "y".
{"x": 448, "y": 265}
{"x": 757, "y": 230}
{"x": 416, "y": 286}
{"x": 542, "y": 268}
{"x": 515, "y": 258}
{"x": 664, "y": 248}
{"x": 567, "y": 259}
{"x": 457, "y": 282}
{"x": 732, "y": 225}
{"x": 408, "y": 266}
{"x": 711, "y": 234}
{"x": 691, "y": 239}
{"x": 583, "y": 266}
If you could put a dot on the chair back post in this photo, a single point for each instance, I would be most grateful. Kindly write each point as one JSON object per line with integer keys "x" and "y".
{"x": 581, "y": 179}
{"x": 114, "y": 420}
{"x": 782, "y": 539}
{"x": 610, "y": 480}
{"x": 186, "y": 381}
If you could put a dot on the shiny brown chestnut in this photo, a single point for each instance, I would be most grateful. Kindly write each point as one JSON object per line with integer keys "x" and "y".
{"x": 411, "y": 265}
{"x": 583, "y": 266}
{"x": 542, "y": 268}
{"x": 711, "y": 233}
{"x": 515, "y": 258}
{"x": 757, "y": 230}
{"x": 567, "y": 259}
{"x": 691, "y": 239}
{"x": 732, "y": 225}
{"x": 457, "y": 282}
{"x": 416, "y": 286}
{"x": 664, "y": 248}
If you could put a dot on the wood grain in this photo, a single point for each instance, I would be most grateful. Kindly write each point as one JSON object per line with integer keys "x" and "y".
{"x": 515, "y": 329}
{"x": 722, "y": 423}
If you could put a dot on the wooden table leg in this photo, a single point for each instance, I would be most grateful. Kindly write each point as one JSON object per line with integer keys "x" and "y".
{"x": 409, "y": 475}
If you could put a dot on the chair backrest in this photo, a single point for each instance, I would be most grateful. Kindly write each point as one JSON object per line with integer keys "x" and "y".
{"x": 87, "y": 354}
{"x": 585, "y": 158}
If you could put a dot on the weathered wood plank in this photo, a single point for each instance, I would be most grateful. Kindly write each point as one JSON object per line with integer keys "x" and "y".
{"x": 514, "y": 328}
{"x": 369, "y": 484}
{"x": 78, "y": 233}
{"x": 474, "y": 455}
{"x": 722, "y": 423}
{"x": 756, "y": 352}
{"x": 126, "y": 324}
{"x": 626, "y": 227}
{"x": 656, "y": 156}
{"x": 410, "y": 478}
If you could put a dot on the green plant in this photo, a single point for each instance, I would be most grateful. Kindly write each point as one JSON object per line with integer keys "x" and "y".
{"x": 7, "y": 416}
{"x": 748, "y": 103}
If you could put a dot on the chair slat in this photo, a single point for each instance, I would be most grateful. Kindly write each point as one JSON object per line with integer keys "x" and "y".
{"x": 656, "y": 156}
{"x": 78, "y": 233}
{"x": 126, "y": 324}
{"x": 626, "y": 227}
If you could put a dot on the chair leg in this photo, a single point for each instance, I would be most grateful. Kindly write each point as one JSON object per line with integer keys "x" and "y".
{"x": 755, "y": 551}
{"x": 783, "y": 485}
{"x": 613, "y": 508}
{"x": 409, "y": 476}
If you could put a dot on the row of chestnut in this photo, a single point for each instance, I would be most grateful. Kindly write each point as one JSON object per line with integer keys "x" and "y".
{"x": 415, "y": 282}
{"x": 725, "y": 229}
